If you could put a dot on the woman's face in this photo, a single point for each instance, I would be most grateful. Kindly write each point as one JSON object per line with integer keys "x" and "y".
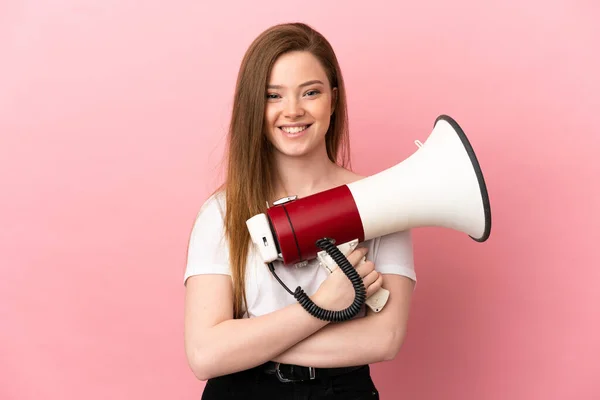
{"x": 299, "y": 104}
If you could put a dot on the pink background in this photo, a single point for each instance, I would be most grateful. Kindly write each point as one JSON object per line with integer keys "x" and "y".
{"x": 112, "y": 121}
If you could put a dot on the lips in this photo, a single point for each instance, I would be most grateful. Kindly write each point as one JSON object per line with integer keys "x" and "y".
{"x": 294, "y": 131}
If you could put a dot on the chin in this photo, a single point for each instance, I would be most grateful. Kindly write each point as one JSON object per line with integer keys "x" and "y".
{"x": 292, "y": 149}
{"x": 298, "y": 147}
{"x": 292, "y": 152}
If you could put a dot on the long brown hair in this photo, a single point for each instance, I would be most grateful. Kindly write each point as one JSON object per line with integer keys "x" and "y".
{"x": 250, "y": 170}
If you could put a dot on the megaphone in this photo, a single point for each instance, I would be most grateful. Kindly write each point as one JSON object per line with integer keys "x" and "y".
{"x": 440, "y": 185}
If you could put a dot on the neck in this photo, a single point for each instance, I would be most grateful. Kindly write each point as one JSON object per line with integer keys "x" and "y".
{"x": 303, "y": 176}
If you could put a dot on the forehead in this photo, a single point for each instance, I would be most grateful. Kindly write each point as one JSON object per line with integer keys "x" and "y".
{"x": 294, "y": 68}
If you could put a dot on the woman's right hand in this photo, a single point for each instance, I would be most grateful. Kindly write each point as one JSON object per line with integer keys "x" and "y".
{"x": 337, "y": 293}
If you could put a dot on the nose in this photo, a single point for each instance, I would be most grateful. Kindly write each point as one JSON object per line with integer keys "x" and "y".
{"x": 293, "y": 108}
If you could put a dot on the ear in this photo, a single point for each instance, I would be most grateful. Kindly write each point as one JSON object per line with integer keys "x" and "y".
{"x": 334, "y": 94}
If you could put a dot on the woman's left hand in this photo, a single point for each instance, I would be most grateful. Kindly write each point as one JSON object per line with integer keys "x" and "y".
{"x": 372, "y": 279}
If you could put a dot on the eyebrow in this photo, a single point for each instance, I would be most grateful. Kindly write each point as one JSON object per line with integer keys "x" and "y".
{"x": 307, "y": 83}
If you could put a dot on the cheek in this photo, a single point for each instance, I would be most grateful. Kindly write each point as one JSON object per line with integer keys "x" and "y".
{"x": 269, "y": 113}
{"x": 322, "y": 113}
{"x": 270, "y": 116}
{"x": 322, "y": 110}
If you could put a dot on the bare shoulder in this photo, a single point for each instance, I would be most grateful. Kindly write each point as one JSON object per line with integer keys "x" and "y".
{"x": 346, "y": 176}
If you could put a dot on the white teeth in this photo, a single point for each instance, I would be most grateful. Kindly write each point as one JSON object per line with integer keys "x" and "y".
{"x": 293, "y": 129}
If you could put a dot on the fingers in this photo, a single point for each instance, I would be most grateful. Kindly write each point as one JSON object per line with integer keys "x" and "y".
{"x": 370, "y": 278}
{"x": 357, "y": 255}
{"x": 364, "y": 268}
{"x": 375, "y": 282}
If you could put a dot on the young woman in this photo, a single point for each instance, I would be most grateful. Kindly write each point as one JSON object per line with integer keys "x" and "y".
{"x": 243, "y": 332}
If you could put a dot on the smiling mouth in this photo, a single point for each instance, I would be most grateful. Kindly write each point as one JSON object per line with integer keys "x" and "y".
{"x": 294, "y": 129}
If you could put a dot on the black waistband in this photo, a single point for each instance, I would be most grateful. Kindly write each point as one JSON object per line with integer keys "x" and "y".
{"x": 297, "y": 373}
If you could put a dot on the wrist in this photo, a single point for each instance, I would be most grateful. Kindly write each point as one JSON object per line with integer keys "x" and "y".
{"x": 327, "y": 302}
{"x": 320, "y": 300}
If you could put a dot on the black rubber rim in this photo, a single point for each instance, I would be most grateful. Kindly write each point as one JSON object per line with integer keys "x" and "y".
{"x": 482, "y": 186}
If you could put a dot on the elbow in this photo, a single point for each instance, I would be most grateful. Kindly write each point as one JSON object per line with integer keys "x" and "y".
{"x": 200, "y": 366}
{"x": 394, "y": 343}
{"x": 200, "y": 373}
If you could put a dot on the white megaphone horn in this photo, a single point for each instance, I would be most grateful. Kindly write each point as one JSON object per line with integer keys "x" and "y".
{"x": 440, "y": 185}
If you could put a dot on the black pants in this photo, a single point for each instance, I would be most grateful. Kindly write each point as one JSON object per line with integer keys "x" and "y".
{"x": 256, "y": 384}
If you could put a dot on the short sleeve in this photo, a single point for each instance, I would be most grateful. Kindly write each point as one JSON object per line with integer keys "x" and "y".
{"x": 393, "y": 254}
{"x": 208, "y": 252}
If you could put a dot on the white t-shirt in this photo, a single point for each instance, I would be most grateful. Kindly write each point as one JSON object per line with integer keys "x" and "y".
{"x": 208, "y": 253}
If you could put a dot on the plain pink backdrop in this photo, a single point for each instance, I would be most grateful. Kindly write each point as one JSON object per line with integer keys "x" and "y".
{"x": 112, "y": 123}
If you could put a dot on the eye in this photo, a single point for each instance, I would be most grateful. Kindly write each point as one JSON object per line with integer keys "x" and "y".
{"x": 313, "y": 92}
{"x": 271, "y": 96}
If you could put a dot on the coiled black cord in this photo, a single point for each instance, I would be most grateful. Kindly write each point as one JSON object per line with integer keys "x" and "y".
{"x": 349, "y": 271}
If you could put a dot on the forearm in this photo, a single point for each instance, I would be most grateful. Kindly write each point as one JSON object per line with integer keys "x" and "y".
{"x": 356, "y": 342}
{"x": 235, "y": 345}
{"x": 374, "y": 338}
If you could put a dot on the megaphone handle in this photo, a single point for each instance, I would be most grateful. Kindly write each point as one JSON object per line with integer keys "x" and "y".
{"x": 377, "y": 299}
{"x": 348, "y": 269}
